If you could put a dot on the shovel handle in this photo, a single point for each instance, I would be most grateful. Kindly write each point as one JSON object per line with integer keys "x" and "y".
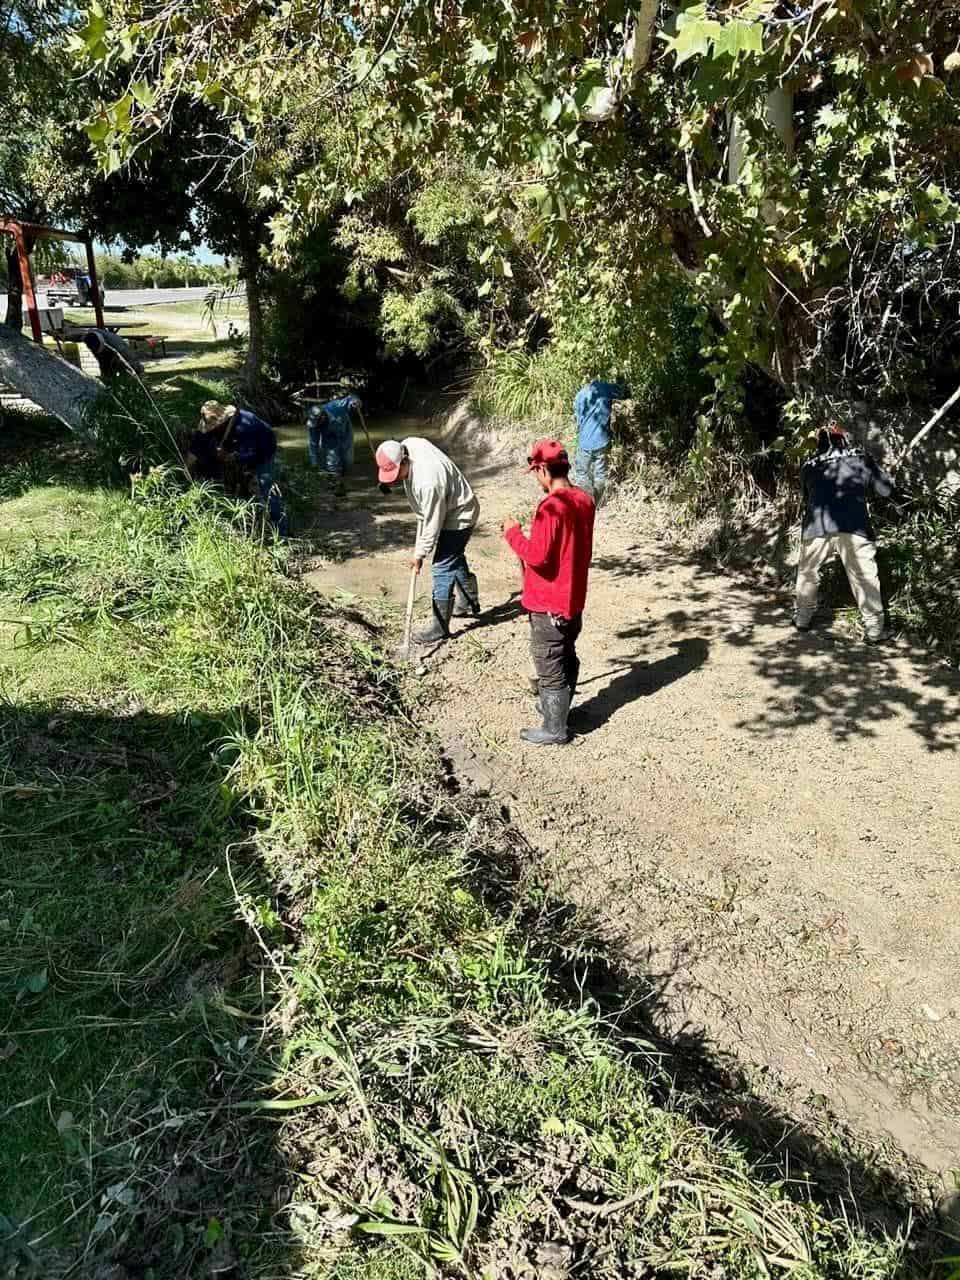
{"x": 366, "y": 432}
{"x": 408, "y": 620}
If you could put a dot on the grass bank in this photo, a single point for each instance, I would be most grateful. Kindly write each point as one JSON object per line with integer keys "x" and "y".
{"x": 280, "y": 1001}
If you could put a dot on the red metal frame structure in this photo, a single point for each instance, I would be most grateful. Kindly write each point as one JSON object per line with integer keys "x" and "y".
{"x": 21, "y": 231}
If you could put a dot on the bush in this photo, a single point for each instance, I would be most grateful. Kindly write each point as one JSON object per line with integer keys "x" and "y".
{"x": 666, "y": 382}
{"x": 309, "y": 330}
{"x": 128, "y": 432}
{"x": 920, "y": 567}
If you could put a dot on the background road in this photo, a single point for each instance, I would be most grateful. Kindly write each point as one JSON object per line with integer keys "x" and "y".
{"x": 141, "y": 297}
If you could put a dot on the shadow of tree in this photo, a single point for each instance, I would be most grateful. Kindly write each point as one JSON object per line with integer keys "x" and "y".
{"x": 808, "y": 1160}
{"x": 852, "y": 689}
{"x": 824, "y": 677}
{"x": 126, "y": 987}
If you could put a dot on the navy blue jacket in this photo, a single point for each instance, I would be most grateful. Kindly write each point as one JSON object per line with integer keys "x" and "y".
{"x": 251, "y": 439}
{"x": 835, "y": 487}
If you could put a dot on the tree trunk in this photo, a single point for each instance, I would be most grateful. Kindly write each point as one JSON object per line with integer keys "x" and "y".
{"x": 253, "y": 364}
{"x": 39, "y": 375}
{"x": 778, "y": 113}
{"x": 644, "y": 29}
{"x": 14, "y": 318}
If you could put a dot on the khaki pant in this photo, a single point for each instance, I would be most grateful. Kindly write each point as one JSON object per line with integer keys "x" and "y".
{"x": 859, "y": 558}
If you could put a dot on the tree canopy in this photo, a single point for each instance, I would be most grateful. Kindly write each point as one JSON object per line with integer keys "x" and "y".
{"x": 794, "y": 164}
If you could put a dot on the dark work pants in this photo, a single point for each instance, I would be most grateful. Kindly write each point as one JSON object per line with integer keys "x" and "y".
{"x": 553, "y": 646}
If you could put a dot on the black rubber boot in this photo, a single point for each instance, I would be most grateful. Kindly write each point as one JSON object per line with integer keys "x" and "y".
{"x": 466, "y": 598}
{"x": 439, "y": 628}
{"x": 553, "y": 731}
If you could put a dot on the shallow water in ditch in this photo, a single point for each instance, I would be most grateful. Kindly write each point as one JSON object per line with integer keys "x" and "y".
{"x": 365, "y": 539}
{"x": 292, "y": 441}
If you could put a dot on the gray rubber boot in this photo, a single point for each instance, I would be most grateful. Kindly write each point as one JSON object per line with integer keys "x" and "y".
{"x": 439, "y": 628}
{"x": 553, "y": 731}
{"x": 535, "y": 691}
{"x": 466, "y": 598}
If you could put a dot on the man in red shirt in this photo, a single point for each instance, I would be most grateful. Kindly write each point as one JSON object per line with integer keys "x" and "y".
{"x": 556, "y": 559}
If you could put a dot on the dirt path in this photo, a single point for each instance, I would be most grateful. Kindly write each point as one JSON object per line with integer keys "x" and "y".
{"x": 768, "y": 823}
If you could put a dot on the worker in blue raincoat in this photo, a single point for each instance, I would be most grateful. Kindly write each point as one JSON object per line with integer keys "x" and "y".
{"x": 330, "y": 438}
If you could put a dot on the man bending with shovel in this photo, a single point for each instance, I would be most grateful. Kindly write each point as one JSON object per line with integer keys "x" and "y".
{"x": 448, "y": 510}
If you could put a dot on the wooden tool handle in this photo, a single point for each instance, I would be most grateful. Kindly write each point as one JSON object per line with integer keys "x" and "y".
{"x": 408, "y": 620}
{"x": 366, "y": 432}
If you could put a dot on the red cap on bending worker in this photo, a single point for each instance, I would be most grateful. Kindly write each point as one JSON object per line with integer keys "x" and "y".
{"x": 389, "y": 461}
{"x": 545, "y": 451}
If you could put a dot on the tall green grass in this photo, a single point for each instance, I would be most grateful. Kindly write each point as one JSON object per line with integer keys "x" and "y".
{"x": 282, "y": 1001}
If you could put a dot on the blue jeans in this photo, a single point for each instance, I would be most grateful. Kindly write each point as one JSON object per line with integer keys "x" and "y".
{"x": 450, "y": 562}
{"x": 266, "y": 475}
{"x": 591, "y": 471}
{"x": 332, "y": 451}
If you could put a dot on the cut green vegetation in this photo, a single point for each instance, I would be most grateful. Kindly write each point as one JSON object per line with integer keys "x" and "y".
{"x": 280, "y": 1001}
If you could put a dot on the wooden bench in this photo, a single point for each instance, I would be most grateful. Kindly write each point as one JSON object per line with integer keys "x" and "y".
{"x": 149, "y": 341}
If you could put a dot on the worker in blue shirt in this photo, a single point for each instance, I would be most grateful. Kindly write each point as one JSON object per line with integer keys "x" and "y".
{"x": 330, "y": 438}
{"x": 227, "y": 432}
{"x": 593, "y": 406}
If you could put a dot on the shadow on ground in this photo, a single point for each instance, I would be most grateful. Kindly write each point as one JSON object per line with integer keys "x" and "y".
{"x": 636, "y": 678}
{"x": 826, "y": 676}
{"x": 126, "y": 985}
{"x": 823, "y": 1162}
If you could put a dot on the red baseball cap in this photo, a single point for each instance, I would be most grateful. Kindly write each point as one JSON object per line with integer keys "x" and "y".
{"x": 389, "y": 459}
{"x": 546, "y": 451}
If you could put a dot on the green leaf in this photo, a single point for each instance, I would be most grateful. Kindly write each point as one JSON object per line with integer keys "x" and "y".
{"x": 480, "y": 53}
{"x": 213, "y": 1234}
{"x": 484, "y": 289}
{"x": 98, "y": 130}
{"x": 443, "y": 1250}
{"x": 693, "y": 39}
{"x": 143, "y": 93}
{"x": 390, "y": 1229}
{"x": 550, "y": 111}
{"x": 287, "y": 1104}
{"x": 93, "y": 32}
{"x": 214, "y": 92}
{"x": 736, "y": 38}
{"x": 35, "y": 982}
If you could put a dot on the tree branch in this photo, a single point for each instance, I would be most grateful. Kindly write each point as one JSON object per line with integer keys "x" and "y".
{"x": 643, "y": 33}
{"x": 934, "y": 421}
{"x": 695, "y": 199}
